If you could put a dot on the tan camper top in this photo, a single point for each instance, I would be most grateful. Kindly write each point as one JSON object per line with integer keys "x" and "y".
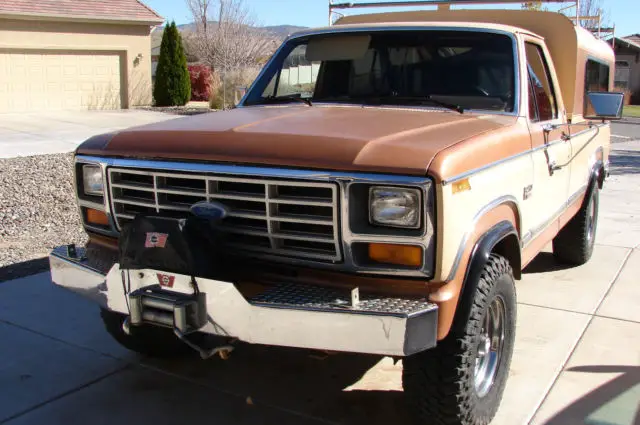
{"x": 570, "y": 46}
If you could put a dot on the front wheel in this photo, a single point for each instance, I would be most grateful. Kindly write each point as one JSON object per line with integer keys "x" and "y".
{"x": 461, "y": 381}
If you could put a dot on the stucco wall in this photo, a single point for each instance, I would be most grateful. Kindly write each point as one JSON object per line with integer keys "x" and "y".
{"x": 129, "y": 41}
{"x": 634, "y": 74}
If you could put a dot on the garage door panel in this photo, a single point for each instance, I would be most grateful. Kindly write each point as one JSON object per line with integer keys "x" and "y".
{"x": 53, "y": 81}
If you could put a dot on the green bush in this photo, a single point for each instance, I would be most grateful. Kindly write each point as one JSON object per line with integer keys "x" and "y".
{"x": 173, "y": 84}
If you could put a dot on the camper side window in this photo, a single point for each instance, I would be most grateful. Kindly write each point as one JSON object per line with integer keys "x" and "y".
{"x": 596, "y": 79}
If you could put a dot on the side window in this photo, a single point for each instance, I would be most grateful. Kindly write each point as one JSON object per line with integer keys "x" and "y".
{"x": 596, "y": 79}
{"x": 540, "y": 78}
{"x": 297, "y": 77}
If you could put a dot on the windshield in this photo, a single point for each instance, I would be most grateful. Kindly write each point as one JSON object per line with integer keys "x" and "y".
{"x": 454, "y": 69}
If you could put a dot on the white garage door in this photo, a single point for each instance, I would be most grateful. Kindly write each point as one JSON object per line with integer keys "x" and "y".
{"x": 41, "y": 81}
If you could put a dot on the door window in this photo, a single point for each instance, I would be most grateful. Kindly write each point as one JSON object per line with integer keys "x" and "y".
{"x": 540, "y": 85}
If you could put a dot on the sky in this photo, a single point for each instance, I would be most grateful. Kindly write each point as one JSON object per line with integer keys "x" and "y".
{"x": 625, "y": 14}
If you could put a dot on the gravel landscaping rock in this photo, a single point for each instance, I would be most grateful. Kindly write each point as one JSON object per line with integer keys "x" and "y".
{"x": 38, "y": 210}
{"x": 177, "y": 110}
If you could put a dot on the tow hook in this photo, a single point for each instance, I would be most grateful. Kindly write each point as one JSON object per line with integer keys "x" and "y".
{"x": 223, "y": 351}
{"x": 126, "y": 326}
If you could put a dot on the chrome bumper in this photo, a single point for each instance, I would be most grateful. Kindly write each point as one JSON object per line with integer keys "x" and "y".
{"x": 288, "y": 315}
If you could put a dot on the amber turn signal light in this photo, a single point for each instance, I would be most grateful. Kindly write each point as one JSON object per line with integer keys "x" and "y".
{"x": 96, "y": 217}
{"x": 405, "y": 255}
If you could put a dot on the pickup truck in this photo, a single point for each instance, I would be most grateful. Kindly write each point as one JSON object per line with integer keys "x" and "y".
{"x": 379, "y": 189}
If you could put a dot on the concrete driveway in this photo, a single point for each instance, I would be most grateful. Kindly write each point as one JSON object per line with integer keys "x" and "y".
{"x": 577, "y": 353}
{"x": 38, "y": 133}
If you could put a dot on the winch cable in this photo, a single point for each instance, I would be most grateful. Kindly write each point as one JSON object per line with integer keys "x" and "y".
{"x": 194, "y": 284}
{"x": 124, "y": 288}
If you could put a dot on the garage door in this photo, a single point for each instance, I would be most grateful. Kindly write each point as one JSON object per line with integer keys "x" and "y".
{"x": 45, "y": 80}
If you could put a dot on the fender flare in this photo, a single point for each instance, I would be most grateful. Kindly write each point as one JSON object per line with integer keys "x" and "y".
{"x": 483, "y": 248}
{"x": 598, "y": 172}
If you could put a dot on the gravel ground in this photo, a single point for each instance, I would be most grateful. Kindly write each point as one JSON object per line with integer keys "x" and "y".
{"x": 37, "y": 208}
{"x": 177, "y": 110}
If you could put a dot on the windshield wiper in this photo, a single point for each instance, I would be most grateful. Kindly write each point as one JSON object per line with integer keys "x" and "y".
{"x": 378, "y": 100}
{"x": 289, "y": 98}
{"x": 448, "y": 105}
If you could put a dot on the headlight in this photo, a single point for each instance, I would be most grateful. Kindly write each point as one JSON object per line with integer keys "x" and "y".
{"x": 92, "y": 180}
{"x": 393, "y": 206}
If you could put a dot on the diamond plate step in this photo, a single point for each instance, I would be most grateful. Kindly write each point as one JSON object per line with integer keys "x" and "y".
{"x": 316, "y": 298}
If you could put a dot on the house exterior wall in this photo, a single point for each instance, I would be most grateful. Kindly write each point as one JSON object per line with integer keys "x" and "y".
{"x": 632, "y": 74}
{"x": 131, "y": 42}
{"x": 633, "y": 71}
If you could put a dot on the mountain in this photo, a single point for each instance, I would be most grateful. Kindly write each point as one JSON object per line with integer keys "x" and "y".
{"x": 284, "y": 31}
{"x": 280, "y": 31}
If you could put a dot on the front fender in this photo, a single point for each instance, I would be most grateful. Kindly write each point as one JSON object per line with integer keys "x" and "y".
{"x": 502, "y": 239}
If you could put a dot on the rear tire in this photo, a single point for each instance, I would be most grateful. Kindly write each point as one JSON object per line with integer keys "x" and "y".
{"x": 151, "y": 341}
{"x": 461, "y": 381}
{"x": 574, "y": 243}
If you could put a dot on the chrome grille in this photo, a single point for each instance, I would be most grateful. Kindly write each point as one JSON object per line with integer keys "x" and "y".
{"x": 281, "y": 217}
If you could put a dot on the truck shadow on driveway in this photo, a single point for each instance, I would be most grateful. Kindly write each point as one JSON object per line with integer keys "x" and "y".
{"x": 545, "y": 262}
{"x": 25, "y": 268}
{"x": 300, "y": 381}
{"x": 615, "y": 402}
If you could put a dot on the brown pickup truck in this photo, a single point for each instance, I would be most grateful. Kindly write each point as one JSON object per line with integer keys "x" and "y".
{"x": 379, "y": 190}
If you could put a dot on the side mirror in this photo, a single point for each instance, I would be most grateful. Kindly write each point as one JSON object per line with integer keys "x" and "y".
{"x": 604, "y": 105}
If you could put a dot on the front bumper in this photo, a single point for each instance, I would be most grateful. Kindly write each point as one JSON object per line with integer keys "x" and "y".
{"x": 288, "y": 314}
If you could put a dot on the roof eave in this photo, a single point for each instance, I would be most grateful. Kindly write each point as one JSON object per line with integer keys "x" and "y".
{"x": 628, "y": 43}
{"x": 78, "y": 18}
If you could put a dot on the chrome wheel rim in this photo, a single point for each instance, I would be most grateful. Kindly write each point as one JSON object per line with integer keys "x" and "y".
{"x": 591, "y": 220}
{"x": 489, "y": 347}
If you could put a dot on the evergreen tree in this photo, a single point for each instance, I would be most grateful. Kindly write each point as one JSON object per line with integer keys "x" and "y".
{"x": 173, "y": 85}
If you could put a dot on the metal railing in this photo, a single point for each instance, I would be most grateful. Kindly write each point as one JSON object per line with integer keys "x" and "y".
{"x": 442, "y": 5}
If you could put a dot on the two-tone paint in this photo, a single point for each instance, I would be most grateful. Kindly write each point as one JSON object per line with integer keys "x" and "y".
{"x": 487, "y": 171}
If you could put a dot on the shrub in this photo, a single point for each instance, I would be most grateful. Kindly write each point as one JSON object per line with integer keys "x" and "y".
{"x": 173, "y": 85}
{"x": 627, "y": 94}
{"x": 200, "y": 82}
{"x": 226, "y": 93}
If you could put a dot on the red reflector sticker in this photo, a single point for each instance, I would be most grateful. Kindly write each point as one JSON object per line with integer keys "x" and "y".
{"x": 166, "y": 280}
{"x": 156, "y": 240}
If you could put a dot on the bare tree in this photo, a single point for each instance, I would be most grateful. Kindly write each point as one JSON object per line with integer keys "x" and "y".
{"x": 226, "y": 36}
{"x": 593, "y": 9}
{"x": 532, "y": 5}
{"x": 200, "y": 11}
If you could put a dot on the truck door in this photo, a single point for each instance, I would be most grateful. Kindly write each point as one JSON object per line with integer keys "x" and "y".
{"x": 550, "y": 151}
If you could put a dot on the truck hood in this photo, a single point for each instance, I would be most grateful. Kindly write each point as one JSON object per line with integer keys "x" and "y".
{"x": 371, "y": 139}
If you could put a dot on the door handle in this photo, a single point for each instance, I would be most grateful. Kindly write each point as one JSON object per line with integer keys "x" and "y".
{"x": 548, "y": 128}
{"x": 553, "y": 166}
